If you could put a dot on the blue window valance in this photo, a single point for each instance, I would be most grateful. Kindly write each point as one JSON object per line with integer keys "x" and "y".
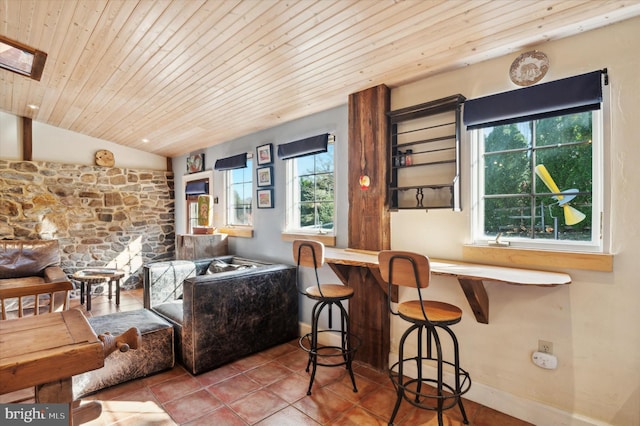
{"x": 235, "y": 162}
{"x": 566, "y": 96}
{"x": 302, "y": 147}
{"x": 197, "y": 187}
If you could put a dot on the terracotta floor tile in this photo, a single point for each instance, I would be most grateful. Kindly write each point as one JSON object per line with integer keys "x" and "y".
{"x": 138, "y": 395}
{"x": 127, "y": 412}
{"x": 268, "y": 373}
{"x": 291, "y": 388}
{"x": 176, "y": 371}
{"x": 288, "y": 417}
{"x": 357, "y": 416}
{"x": 218, "y": 375}
{"x": 192, "y": 406}
{"x": 250, "y": 362}
{"x": 222, "y": 416}
{"x": 175, "y": 388}
{"x": 280, "y": 350}
{"x": 323, "y": 405}
{"x": 115, "y": 391}
{"x": 371, "y": 374}
{"x": 381, "y": 404}
{"x": 257, "y": 406}
{"x": 344, "y": 388}
{"x": 295, "y": 360}
{"x": 233, "y": 388}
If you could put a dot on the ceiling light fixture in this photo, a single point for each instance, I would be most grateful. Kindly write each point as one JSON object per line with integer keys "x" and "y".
{"x": 21, "y": 59}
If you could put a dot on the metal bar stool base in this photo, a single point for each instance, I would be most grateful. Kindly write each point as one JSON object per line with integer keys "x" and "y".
{"x": 429, "y": 401}
{"x": 330, "y": 355}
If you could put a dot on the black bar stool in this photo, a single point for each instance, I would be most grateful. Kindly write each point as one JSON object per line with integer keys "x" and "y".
{"x": 426, "y": 317}
{"x": 309, "y": 253}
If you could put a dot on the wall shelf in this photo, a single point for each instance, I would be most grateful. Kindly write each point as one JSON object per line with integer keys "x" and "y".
{"x": 424, "y": 170}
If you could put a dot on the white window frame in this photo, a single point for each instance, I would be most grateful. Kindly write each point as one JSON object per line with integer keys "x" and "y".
{"x": 292, "y": 215}
{"x": 598, "y": 240}
{"x": 207, "y": 174}
{"x": 228, "y": 193}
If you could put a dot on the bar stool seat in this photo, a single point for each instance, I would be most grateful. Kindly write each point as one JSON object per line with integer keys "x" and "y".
{"x": 428, "y": 318}
{"x": 310, "y": 253}
{"x": 329, "y": 291}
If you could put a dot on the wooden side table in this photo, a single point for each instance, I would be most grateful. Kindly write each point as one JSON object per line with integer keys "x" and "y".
{"x": 86, "y": 277}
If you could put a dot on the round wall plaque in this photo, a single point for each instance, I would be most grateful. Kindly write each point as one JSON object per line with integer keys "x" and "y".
{"x": 105, "y": 158}
{"x": 529, "y": 68}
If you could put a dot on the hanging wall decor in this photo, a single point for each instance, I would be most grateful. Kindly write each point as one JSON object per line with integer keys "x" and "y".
{"x": 265, "y": 176}
{"x": 264, "y": 153}
{"x": 265, "y": 198}
{"x": 195, "y": 163}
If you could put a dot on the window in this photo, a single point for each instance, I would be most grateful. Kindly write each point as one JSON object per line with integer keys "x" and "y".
{"x": 21, "y": 59}
{"x": 196, "y": 184}
{"x": 239, "y": 193}
{"x": 538, "y": 181}
{"x": 537, "y": 159}
{"x": 310, "y": 192}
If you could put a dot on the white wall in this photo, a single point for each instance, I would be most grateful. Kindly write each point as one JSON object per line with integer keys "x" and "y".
{"x": 51, "y": 143}
{"x": 594, "y": 322}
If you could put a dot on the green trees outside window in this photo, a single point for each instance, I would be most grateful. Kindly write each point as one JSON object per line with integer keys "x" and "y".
{"x": 316, "y": 190}
{"x": 517, "y": 201}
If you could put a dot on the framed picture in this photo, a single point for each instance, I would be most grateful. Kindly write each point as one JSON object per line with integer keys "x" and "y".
{"x": 195, "y": 163}
{"x": 265, "y": 198}
{"x": 264, "y": 176}
{"x": 264, "y": 154}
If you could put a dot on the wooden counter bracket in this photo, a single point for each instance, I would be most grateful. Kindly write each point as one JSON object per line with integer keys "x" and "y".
{"x": 477, "y": 297}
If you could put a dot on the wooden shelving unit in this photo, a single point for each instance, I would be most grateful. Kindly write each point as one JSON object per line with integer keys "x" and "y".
{"x": 424, "y": 170}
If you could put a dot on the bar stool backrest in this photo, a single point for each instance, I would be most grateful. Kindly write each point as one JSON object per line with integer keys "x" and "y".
{"x": 404, "y": 268}
{"x": 308, "y": 253}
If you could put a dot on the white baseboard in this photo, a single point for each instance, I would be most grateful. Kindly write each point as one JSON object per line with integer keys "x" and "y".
{"x": 524, "y": 409}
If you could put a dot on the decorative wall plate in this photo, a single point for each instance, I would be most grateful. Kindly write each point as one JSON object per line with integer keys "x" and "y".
{"x": 105, "y": 158}
{"x": 529, "y": 68}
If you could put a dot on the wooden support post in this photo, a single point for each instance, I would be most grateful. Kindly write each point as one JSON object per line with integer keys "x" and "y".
{"x": 369, "y": 217}
{"x": 27, "y": 139}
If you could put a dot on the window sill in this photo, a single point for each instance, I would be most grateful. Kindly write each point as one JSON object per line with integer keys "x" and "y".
{"x": 234, "y": 231}
{"x": 508, "y": 256}
{"x": 326, "y": 239}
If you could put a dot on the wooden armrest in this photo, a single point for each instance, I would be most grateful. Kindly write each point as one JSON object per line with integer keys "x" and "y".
{"x": 19, "y": 291}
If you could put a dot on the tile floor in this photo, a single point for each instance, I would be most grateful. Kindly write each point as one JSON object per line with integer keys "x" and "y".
{"x": 268, "y": 388}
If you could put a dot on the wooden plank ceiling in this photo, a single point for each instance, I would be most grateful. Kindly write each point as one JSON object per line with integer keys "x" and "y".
{"x": 187, "y": 74}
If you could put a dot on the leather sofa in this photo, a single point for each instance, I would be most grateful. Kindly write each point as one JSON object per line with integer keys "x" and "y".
{"x": 31, "y": 262}
{"x": 223, "y": 308}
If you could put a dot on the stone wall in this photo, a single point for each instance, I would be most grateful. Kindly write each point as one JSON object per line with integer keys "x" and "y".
{"x": 102, "y": 217}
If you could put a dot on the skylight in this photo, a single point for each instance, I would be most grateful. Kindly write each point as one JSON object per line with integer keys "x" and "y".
{"x": 21, "y": 59}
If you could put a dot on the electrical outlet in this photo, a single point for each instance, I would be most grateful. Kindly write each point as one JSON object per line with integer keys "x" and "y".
{"x": 545, "y": 347}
